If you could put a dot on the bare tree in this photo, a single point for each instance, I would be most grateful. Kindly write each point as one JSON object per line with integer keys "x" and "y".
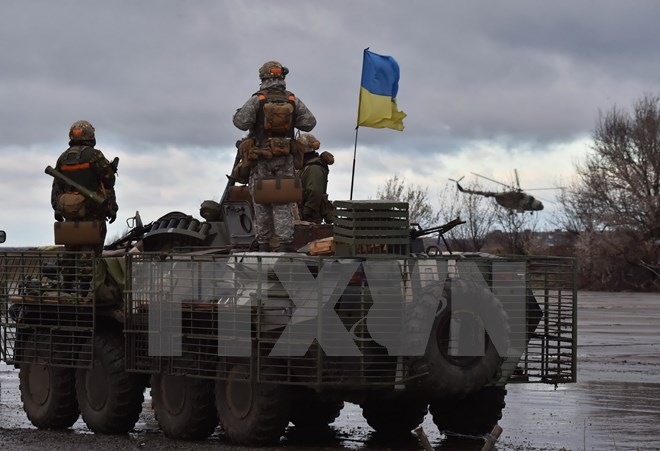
{"x": 518, "y": 231}
{"x": 420, "y": 209}
{"x": 478, "y": 213}
{"x": 615, "y": 203}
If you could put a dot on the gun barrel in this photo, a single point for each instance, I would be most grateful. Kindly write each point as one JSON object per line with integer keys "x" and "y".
{"x": 438, "y": 229}
{"x": 91, "y": 195}
{"x": 114, "y": 164}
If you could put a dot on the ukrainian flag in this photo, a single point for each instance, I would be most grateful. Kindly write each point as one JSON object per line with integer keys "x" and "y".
{"x": 378, "y": 89}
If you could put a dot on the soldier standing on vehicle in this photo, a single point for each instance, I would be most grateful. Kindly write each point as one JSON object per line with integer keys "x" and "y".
{"x": 87, "y": 166}
{"x": 315, "y": 206}
{"x": 271, "y": 116}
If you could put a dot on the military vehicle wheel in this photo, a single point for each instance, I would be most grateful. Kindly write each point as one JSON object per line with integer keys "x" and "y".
{"x": 309, "y": 411}
{"x": 110, "y": 399}
{"x": 474, "y": 414}
{"x": 449, "y": 374}
{"x": 48, "y": 393}
{"x": 184, "y": 406}
{"x": 393, "y": 416}
{"x": 251, "y": 413}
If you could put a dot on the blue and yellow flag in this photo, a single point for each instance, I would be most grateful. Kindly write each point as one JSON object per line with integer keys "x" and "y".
{"x": 378, "y": 89}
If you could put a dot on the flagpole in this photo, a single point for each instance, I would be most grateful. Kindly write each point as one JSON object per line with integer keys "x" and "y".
{"x": 357, "y": 127}
{"x": 354, "y": 152}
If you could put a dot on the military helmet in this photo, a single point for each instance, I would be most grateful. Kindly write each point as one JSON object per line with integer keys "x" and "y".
{"x": 272, "y": 69}
{"x": 81, "y": 131}
{"x": 310, "y": 142}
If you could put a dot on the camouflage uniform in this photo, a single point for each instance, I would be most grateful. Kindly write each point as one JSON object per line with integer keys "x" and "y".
{"x": 270, "y": 218}
{"x": 315, "y": 206}
{"x": 87, "y": 166}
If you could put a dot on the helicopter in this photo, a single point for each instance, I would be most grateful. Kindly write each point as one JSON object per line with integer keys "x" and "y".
{"x": 515, "y": 199}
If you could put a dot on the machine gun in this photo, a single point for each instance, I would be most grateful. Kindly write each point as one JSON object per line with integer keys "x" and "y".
{"x": 416, "y": 232}
{"x": 91, "y": 195}
{"x": 136, "y": 233}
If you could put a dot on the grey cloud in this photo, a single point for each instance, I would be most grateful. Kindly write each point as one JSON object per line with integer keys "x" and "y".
{"x": 173, "y": 72}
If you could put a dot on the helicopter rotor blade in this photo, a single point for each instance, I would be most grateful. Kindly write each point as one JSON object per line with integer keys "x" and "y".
{"x": 492, "y": 180}
{"x": 554, "y": 202}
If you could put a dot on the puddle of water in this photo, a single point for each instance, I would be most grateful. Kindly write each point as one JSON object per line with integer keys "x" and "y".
{"x": 614, "y": 405}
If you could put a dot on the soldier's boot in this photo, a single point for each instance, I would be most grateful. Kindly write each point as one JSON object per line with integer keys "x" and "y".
{"x": 287, "y": 247}
{"x": 264, "y": 247}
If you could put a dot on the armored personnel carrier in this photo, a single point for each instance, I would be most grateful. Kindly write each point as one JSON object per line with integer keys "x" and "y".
{"x": 255, "y": 341}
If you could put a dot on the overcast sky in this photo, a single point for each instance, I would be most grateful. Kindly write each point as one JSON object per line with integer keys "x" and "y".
{"x": 487, "y": 86}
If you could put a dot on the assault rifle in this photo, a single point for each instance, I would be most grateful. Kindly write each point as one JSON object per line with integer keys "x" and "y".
{"x": 416, "y": 246}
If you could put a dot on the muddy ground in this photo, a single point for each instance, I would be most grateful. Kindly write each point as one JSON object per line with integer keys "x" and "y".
{"x": 614, "y": 405}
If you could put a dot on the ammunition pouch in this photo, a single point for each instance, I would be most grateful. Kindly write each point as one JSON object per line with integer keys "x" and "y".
{"x": 72, "y": 205}
{"x": 278, "y": 190}
{"x": 247, "y": 145}
{"x": 280, "y": 147}
{"x": 259, "y": 154}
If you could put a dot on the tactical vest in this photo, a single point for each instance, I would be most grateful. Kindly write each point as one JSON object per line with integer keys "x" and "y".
{"x": 280, "y": 102}
{"x": 75, "y": 164}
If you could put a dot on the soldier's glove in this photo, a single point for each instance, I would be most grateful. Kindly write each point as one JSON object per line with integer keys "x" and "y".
{"x": 112, "y": 218}
{"x": 59, "y": 217}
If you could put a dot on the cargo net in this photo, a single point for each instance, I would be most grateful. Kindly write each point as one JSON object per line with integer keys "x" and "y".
{"x": 349, "y": 322}
{"x": 363, "y": 228}
{"x": 47, "y": 307}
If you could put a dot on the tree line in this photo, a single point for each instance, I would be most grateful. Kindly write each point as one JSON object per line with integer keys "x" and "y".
{"x": 610, "y": 211}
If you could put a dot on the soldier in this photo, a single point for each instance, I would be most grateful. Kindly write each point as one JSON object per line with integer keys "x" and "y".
{"x": 84, "y": 164}
{"x": 315, "y": 206}
{"x": 270, "y": 116}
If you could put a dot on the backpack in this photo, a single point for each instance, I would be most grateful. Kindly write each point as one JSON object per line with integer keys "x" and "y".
{"x": 278, "y": 112}
{"x": 72, "y": 205}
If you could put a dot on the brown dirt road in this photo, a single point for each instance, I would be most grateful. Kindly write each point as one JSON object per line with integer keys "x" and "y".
{"x": 614, "y": 405}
